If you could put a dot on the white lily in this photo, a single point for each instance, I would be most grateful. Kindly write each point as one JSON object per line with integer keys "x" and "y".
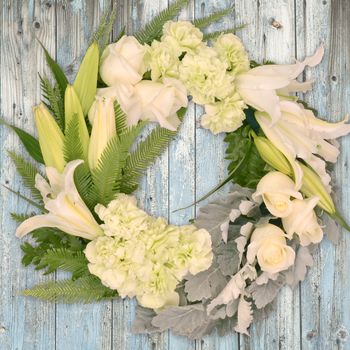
{"x": 66, "y": 209}
{"x": 102, "y": 119}
{"x": 260, "y": 86}
{"x": 299, "y": 134}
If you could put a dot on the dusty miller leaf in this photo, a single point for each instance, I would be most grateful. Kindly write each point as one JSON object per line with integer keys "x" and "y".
{"x": 228, "y": 258}
{"x": 191, "y": 321}
{"x": 245, "y": 316}
{"x": 297, "y": 272}
{"x": 143, "y": 320}
{"x": 265, "y": 293}
{"x": 206, "y": 284}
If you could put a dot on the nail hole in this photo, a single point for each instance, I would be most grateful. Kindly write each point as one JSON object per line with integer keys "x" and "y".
{"x": 48, "y": 4}
{"x": 324, "y": 2}
{"x": 37, "y": 25}
{"x": 276, "y": 24}
{"x": 334, "y": 78}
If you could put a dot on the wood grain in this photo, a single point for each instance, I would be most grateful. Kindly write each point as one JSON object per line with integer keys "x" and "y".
{"x": 315, "y": 315}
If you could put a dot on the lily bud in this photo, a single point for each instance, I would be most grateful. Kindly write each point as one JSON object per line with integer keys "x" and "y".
{"x": 272, "y": 156}
{"x": 312, "y": 186}
{"x": 102, "y": 117}
{"x": 86, "y": 80}
{"x": 51, "y": 138}
{"x": 72, "y": 108}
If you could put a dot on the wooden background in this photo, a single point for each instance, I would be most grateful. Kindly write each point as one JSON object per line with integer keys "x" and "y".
{"x": 314, "y": 316}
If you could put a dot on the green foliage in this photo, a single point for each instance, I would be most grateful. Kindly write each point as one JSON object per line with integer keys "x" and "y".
{"x": 107, "y": 175}
{"x": 56, "y": 71}
{"x": 66, "y": 260}
{"x": 104, "y": 30}
{"x": 28, "y": 172}
{"x": 246, "y": 167}
{"x": 72, "y": 146}
{"x": 145, "y": 154}
{"x": 30, "y": 143}
{"x": 153, "y": 30}
{"x": 214, "y": 35}
{"x": 214, "y": 17}
{"x": 19, "y": 217}
{"x": 120, "y": 119}
{"x": 48, "y": 239}
{"x": 85, "y": 290}
{"x": 54, "y": 100}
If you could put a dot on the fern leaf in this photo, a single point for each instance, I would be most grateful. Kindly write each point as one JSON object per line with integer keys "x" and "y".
{"x": 66, "y": 260}
{"x": 214, "y": 17}
{"x": 120, "y": 119}
{"x": 73, "y": 149}
{"x": 107, "y": 175}
{"x": 214, "y": 35}
{"x": 85, "y": 290}
{"x": 54, "y": 100}
{"x": 19, "y": 217}
{"x": 145, "y": 154}
{"x": 102, "y": 34}
{"x": 153, "y": 30}
{"x": 28, "y": 172}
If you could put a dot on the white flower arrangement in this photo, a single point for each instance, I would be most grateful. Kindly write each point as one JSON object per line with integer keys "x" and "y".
{"x": 215, "y": 271}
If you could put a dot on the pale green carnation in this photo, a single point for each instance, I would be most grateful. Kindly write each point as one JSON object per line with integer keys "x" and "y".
{"x": 183, "y": 35}
{"x": 122, "y": 217}
{"x": 232, "y": 52}
{"x": 205, "y": 77}
{"x": 224, "y": 116}
{"x": 149, "y": 263}
{"x": 163, "y": 60}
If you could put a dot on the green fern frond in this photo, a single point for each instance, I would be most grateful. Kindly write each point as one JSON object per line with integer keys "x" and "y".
{"x": 214, "y": 35}
{"x": 108, "y": 173}
{"x": 19, "y": 217}
{"x": 66, "y": 260}
{"x": 54, "y": 102}
{"x": 84, "y": 290}
{"x": 204, "y": 22}
{"x": 153, "y": 30}
{"x": 145, "y": 154}
{"x": 73, "y": 149}
{"x": 28, "y": 172}
{"x": 120, "y": 119}
{"x": 102, "y": 34}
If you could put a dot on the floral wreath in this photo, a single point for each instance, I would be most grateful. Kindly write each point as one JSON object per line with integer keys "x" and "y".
{"x": 225, "y": 268}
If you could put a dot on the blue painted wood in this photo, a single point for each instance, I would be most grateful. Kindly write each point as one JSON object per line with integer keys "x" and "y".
{"x": 314, "y": 316}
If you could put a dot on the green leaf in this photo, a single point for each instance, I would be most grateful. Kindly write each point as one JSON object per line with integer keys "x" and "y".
{"x": 120, "y": 119}
{"x": 241, "y": 147}
{"x": 66, "y": 260}
{"x": 153, "y": 30}
{"x": 31, "y": 202}
{"x": 85, "y": 290}
{"x": 214, "y": 17}
{"x": 108, "y": 174}
{"x": 28, "y": 172}
{"x": 145, "y": 154}
{"x": 214, "y": 35}
{"x": 30, "y": 143}
{"x": 54, "y": 100}
{"x": 19, "y": 217}
{"x": 56, "y": 71}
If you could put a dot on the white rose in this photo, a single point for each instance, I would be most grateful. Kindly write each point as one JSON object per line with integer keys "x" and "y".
{"x": 269, "y": 246}
{"x": 183, "y": 35}
{"x": 276, "y": 190}
{"x": 123, "y": 62}
{"x": 160, "y": 101}
{"x": 303, "y": 222}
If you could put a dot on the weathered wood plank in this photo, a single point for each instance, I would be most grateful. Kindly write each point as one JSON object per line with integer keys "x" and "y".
{"x": 265, "y": 40}
{"x": 24, "y": 323}
{"x": 79, "y": 326}
{"x": 324, "y": 295}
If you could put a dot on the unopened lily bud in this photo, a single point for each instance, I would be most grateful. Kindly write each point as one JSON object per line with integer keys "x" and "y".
{"x": 272, "y": 156}
{"x": 312, "y": 186}
{"x": 51, "y": 138}
{"x": 72, "y": 108}
{"x": 86, "y": 80}
{"x": 103, "y": 128}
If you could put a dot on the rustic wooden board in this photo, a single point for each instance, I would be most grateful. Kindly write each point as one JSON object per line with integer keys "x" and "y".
{"x": 314, "y": 316}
